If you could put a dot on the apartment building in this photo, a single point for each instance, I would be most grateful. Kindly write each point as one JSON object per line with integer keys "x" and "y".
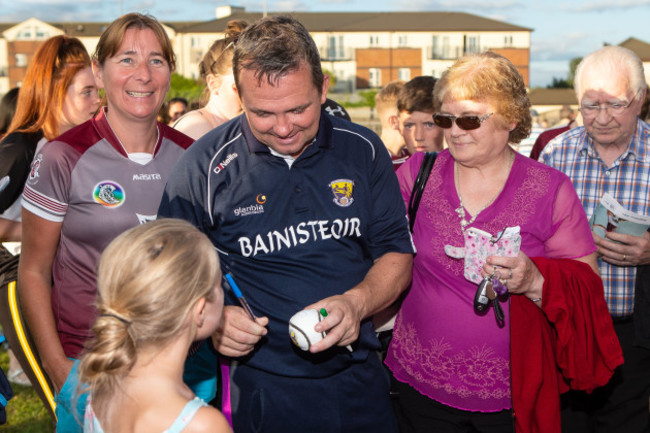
{"x": 362, "y": 50}
{"x": 367, "y": 50}
{"x": 19, "y": 42}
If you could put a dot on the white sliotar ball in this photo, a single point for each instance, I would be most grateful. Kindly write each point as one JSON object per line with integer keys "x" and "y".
{"x": 301, "y": 328}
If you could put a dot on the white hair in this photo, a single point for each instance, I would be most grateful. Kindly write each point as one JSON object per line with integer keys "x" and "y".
{"x": 612, "y": 61}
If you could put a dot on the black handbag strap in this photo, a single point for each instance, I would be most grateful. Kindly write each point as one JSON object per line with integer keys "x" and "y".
{"x": 418, "y": 186}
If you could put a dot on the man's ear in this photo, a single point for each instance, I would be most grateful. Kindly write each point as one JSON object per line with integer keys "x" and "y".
{"x": 324, "y": 88}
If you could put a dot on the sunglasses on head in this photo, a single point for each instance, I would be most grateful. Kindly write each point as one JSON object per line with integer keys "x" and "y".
{"x": 466, "y": 123}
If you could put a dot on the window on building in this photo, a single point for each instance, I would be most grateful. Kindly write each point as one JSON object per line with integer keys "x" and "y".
{"x": 404, "y": 74}
{"x": 33, "y": 32}
{"x": 374, "y": 40}
{"x": 446, "y": 54}
{"x": 21, "y": 60}
{"x": 335, "y": 48}
{"x": 507, "y": 41}
{"x": 402, "y": 41}
{"x": 331, "y": 48}
{"x": 435, "y": 51}
{"x": 472, "y": 44}
{"x": 440, "y": 47}
{"x": 374, "y": 77}
{"x": 24, "y": 34}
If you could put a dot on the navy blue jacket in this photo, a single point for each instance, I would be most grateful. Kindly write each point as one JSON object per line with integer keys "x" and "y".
{"x": 293, "y": 236}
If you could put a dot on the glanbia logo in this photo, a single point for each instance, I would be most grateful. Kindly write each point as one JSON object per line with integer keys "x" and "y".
{"x": 223, "y": 164}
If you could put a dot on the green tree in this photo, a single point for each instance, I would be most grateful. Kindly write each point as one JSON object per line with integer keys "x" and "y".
{"x": 560, "y": 83}
{"x": 184, "y": 88}
{"x": 368, "y": 97}
{"x": 573, "y": 65}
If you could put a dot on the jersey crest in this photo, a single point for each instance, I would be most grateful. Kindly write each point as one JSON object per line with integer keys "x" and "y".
{"x": 36, "y": 165}
{"x": 342, "y": 191}
{"x": 109, "y": 194}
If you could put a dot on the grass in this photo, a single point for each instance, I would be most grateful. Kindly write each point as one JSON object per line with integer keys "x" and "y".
{"x": 25, "y": 411}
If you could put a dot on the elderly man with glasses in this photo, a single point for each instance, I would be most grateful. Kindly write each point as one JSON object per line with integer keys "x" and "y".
{"x": 610, "y": 154}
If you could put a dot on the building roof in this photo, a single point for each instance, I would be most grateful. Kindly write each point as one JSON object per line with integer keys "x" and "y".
{"x": 642, "y": 49}
{"x": 82, "y": 29}
{"x": 324, "y": 22}
{"x": 553, "y": 97}
{"x": 368, "y": 22}
{"x": 92, "y": 28}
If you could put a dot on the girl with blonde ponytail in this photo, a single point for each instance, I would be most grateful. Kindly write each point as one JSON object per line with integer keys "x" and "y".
{"x": 159, "y": 290}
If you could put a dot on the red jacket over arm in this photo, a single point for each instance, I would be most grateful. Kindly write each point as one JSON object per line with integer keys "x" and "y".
{"x": 569, "y": 343}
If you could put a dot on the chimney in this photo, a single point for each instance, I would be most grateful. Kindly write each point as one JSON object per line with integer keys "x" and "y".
{"x": 226, "y": 11}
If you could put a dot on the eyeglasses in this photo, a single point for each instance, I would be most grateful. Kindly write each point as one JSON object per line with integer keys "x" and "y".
{"x": 613, "y": 108}
{"x": 466, "y": 123}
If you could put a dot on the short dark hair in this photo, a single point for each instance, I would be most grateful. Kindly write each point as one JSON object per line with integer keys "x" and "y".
{"x": 416, "y": 95}
{"x": 275, "y": 46}
{"x": 177, "y": 99}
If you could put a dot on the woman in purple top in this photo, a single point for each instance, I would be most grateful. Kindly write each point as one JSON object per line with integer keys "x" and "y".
{"x": 451, "y": 361}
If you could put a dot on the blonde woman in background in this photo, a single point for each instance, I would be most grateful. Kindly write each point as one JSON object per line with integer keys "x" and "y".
{"x": 222, "y": 101}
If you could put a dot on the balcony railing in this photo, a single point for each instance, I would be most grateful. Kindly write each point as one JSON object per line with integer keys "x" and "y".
{"x": 336, "y": 54}
{"x": 446, "y": 53}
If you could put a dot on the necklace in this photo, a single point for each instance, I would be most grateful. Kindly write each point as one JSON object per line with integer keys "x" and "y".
{"x": 460, "y": 210}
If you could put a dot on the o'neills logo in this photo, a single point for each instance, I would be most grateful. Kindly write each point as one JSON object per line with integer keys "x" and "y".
{"x": 253, "y": 209}
{"x": 223, "y": 164}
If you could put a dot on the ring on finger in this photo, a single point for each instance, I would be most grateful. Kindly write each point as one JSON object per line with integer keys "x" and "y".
{"x": 624, "y": 257}
{"x": 510, "y": 276}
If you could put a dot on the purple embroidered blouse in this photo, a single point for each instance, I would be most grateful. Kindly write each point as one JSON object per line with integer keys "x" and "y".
{"x": 441, "y": 346}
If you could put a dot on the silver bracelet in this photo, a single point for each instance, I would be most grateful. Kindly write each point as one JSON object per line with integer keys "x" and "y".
{"x": 536, "y": 299}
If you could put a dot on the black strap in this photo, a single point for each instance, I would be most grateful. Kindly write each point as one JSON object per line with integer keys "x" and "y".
{"x": 418, "y": 186}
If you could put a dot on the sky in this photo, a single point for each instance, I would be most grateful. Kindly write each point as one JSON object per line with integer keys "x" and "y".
{"x": 562, "y": 29}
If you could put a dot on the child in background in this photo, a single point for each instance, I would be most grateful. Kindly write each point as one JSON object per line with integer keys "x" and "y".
{"x": 386, "y": 106}
{"x": 159, "y": 290}
{"x": 415, "y": 116}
